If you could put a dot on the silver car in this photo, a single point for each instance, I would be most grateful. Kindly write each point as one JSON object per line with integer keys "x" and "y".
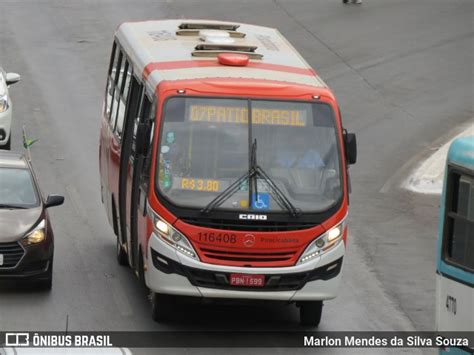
{"x": 6, "y": 79}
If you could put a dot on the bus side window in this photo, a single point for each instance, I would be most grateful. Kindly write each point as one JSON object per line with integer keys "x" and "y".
{"x": 123, "y": 86}
{"x": 116, "y": 94}
{"x": 109, "y": 93}
{"x": 458, "y": 244}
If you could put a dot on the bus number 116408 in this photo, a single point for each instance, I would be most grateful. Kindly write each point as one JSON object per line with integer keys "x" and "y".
{"x": 217, "y": 237}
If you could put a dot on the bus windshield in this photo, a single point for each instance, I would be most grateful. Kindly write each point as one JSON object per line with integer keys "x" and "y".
{"x": 206, "y": 144}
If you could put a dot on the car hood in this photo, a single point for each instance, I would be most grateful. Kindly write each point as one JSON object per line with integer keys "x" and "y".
{"x": 15, "y": 223}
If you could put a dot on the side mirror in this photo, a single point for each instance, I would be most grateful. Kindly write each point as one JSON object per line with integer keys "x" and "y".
{"x": 54, "y": 200}
{"x": 12, "y": 78}
{"x": 350, "y": 143}
{"x": 141, "y": 138}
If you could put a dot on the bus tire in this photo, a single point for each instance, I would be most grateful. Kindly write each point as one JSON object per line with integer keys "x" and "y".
{"x": 310, "y": 313}
{"x": 122, "y": 257}
{"x": 161, "y": 307}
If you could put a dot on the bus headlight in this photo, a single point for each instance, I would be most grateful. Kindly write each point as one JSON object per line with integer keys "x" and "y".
{"x": 323, "y": 243}
{"x": 162, "y": 227}
{"x": 3, "y": 103}
{"x": 36, "y": 236}
{"x": 171, "y": 236}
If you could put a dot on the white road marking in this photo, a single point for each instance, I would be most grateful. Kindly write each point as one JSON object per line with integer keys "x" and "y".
{"x": 428, "y": 177}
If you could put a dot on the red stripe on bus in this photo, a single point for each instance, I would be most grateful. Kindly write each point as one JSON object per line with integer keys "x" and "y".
{"x": 185, "y": 64}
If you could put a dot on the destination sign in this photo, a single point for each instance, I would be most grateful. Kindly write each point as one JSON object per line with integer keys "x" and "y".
{"x": 239, "y": 115}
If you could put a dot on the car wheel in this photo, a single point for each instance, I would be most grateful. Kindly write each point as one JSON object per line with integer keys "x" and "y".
{"x": 310, "y": 313}
{"x": 162, "y": 307}
{"x": 46, "y": 283}
{"x": 122, "y": 257}
{"x": 8, "y": 145}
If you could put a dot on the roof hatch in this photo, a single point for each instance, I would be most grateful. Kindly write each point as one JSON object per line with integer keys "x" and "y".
{"x": 194, "y": 29}
{"x": 212, "y": 50}
{"x": 208, "y": 26}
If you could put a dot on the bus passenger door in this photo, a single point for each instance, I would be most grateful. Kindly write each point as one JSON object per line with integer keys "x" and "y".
{"x": 141, "y": 174}
{"x": 120, "y": 91}
{"x": 134, "y": 89}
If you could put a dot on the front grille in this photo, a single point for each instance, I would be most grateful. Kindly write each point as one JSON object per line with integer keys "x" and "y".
{"x": 220, "y": 280}
{"x": 12, "y": 254}
{"x": 278, "y": 282}
{"x": 250, "y": 257}
{"x": 255, "y": 226}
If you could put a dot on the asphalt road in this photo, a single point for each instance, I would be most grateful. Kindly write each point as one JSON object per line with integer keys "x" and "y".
{"x": 403, "y": 73}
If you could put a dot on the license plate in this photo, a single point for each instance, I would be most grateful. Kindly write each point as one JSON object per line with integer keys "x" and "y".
{"x": 247, "y": 280}
{"x": 1, "y": 259}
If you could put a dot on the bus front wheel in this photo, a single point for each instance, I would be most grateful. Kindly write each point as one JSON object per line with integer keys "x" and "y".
{"x": 161, "y": 307}
{"x": 310, "y": 313}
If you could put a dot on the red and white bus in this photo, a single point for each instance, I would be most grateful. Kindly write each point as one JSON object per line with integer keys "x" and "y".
{"x": 206, "y": 202}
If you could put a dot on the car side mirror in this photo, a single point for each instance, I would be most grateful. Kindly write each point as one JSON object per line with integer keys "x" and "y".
{"x": 54, "y": 200}
{"x": 350, "y": 143}
{"x": 12, "y": 78}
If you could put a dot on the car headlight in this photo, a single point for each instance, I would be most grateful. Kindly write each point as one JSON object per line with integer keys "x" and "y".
{"x": 324, "y": 243}
{"x": 171, "y": 236}
{"x": 3, "y": 103}
{"x": 37, "y": 235}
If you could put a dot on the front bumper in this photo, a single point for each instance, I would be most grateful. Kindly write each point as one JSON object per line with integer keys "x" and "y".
{"x": 35, "y": 262}
{"x": 171, "y": 272}
{"x": 5, "y": 126}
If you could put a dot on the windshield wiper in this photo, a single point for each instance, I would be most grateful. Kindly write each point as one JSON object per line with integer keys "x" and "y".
{"x": 224, "y": 195}
{"x": 4, "y": 205}
{"x": 251, "y": 176}
{"x": 257, "y": 171}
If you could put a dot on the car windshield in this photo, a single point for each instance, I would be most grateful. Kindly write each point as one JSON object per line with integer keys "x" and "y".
{"x": 17, "y": 188}
{"x": 205, "y": 146}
